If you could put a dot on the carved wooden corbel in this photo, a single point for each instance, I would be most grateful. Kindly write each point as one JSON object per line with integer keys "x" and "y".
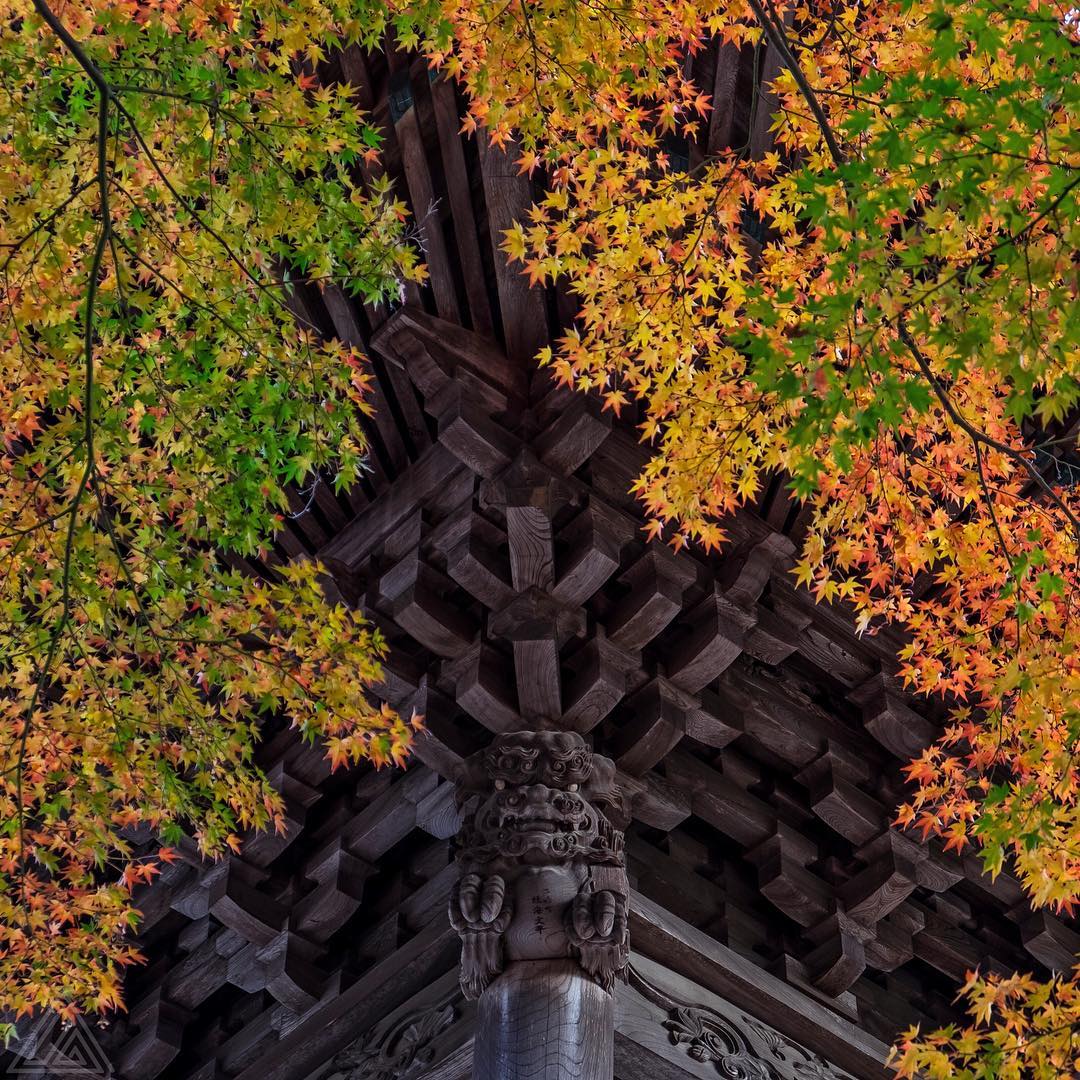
{"x": 543, "y": 875}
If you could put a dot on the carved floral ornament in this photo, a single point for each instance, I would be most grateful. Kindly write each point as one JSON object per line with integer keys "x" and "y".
{"x": 738, "y": 1049}
{"x": 398, "y": 1052}
{"x": 804, "y": 1064}
{"x": 542, "y": 869}
{"x": 709, "y": 1037}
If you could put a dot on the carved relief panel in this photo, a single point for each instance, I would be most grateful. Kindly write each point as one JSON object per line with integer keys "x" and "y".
{"x": 708, "y": 1036}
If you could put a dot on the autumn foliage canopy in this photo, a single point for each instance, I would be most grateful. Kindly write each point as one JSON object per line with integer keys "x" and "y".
{"x": 880, "y": 305}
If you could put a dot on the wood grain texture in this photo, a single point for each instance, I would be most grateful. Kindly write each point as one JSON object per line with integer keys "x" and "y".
{"x": 574, "y": 435}
{"x": 657, "y": 582}
{"x": 716, "y": 638}
{"x": 528, "y": 529}
{"x": 508, "y": 195}
{"x": 544, "y": 1020}
{"x": 721, "y": 119}
{"x": 679, "y": 1024}
{"x": 419, "y": 482}
{"x": 425, "y": 207}
{"x": 603, "y": 670}
{"x": 448, "y": 125}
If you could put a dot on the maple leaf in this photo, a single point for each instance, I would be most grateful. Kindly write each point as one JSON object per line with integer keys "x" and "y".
{"x": 653, "y": 529}
{"x": 28, "y": 424}
{"x": 528, "y": 162}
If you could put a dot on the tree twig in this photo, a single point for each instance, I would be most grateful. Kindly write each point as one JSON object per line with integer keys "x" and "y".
{"x": 89, "y": 334}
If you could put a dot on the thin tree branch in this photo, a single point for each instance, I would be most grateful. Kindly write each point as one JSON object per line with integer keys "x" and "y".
{"x": 981, "y": 436}
{"x": 89, "y": 334}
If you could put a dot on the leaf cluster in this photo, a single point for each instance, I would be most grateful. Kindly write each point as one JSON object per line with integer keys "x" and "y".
{"x": 170, "y": 172}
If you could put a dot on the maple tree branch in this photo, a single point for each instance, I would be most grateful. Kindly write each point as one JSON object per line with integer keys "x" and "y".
{"x": 76, "y": 50}
{"x": 977, "y": 446}
{"x": 1006, "y": 241}
{"x": 89, "y": 333}
{"x": 16, "y": 246}
{"x": 980, "y": 436}
{"x": 190, "y": 207}
{"x": 778, "y": 40}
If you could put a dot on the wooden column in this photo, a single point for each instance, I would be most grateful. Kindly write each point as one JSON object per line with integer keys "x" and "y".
{"x": 541, "y": 906}
{"x": 545, "y": 1020}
